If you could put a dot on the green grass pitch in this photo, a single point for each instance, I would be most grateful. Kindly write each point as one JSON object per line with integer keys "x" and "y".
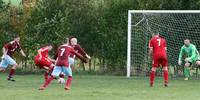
{"x": 85, "y": 87}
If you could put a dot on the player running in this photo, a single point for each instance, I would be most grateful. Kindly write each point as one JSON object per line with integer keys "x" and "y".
{"x": 189, "y": 51}
{"x": 158, "y": 47}
{"x": 43, "y": 60}
{"x": 8, "y": 50}
{"x": 62, "y": 65}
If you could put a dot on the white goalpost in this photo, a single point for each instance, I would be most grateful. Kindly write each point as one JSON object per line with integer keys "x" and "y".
{"x": 173, "y": 25}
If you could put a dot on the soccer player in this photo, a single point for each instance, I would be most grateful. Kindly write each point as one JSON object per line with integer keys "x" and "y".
{"x": 189, "y": 51}
{"x": 8, "y": 50}
{"x": 43, "y": 60}
{"x": 158, "y": 47}
{"x": 77, "y": 47}
{"x": 62, "y": 65}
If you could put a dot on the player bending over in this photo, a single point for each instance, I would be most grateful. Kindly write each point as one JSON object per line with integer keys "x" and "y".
{"x": 62, "y": 65}
{"x": 43, "y": 60}
{"x": 158, "y": 47}
{"x": 8, "y": 50}
{"x": 189, "y": 51}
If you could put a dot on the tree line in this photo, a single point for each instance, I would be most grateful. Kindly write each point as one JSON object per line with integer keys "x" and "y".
{"x": 99, "y": 25}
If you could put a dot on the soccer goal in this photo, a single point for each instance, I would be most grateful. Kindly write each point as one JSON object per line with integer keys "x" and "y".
{"x": 173, "y": 25}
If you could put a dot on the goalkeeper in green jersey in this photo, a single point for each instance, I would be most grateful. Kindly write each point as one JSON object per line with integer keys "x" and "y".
{"x": 191, "y": 56}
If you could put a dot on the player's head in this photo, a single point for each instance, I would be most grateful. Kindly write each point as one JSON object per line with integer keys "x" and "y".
{"x": 73, "y": 41}
{"x": 186, "y": 42}
{"x": 49, "y": 46}
{"x": 155, "y": 34}
{"x": 17, "y": 39}
{"x": 67, "y": 41}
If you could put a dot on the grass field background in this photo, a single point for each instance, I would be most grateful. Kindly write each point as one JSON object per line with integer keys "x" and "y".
{"x": 85, "y": 87}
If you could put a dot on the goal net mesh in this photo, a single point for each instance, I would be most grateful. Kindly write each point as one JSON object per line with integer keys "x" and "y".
{"x": 174, "y": 27}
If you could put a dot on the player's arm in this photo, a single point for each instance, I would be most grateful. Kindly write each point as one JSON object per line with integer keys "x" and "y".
{"x": 81, "y": 51}
{"x": 56, "y": 55}
{"x": 5, "y": 49}
{"x": 21, "y": 50}
{"x": 180, "y": 55}
{"x": 165, "y": 45}
{"x": 40, "y": 52}
{"x": 150, "y": 52}
{"x": 193, "y": 54}
{"x": 150, "y": 49}
{"x": 52, "y": 60}
{"x": 78, "y": 55}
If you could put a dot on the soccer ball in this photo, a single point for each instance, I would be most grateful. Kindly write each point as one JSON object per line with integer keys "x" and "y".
{"x": 61, "y": 80}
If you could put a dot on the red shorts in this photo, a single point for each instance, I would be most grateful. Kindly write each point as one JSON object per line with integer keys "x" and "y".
{"x": 157, "y": 62}
{"x": 44, "y": 62}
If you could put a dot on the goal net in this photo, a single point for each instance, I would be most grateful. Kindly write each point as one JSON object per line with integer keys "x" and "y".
{"x": 173, "y": 25}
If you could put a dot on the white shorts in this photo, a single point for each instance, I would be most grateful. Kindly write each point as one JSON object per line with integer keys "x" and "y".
{"x": 7, "y": 60}
{"x": 57, "y": 70}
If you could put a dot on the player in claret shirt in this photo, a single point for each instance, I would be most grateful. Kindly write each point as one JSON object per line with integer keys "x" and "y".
{"x": 8, "y": 50}
{"x": 77, "y": 48}
{"x": 62, "y": 65}
{"x": 43, "y": 60}
{"x": 158, "y": 50}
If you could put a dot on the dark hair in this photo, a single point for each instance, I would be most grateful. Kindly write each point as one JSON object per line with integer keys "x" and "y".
{"x": 44, "y": 45}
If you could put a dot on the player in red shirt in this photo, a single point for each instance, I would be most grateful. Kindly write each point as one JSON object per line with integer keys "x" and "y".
{"x": 158, "y": 47}
{"x": 43, "y": 60}
{"x": 62, "y": 65}
{"x": 8, "y": 50}
{"x": 73, "y": 42}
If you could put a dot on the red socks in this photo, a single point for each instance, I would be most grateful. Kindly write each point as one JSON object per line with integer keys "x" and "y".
{"x": 152, "y": 77}
{"x": 68, "y": 82}
{"x": 46, "y": 74}
{"x": 165, "y": 76}
{"x": 12, "y": 72}
{"x": 48, "y": 81}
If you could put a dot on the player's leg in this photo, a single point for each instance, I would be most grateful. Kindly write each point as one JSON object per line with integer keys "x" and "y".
{"x": 48, "y": 66}
{"x": 41, "y": 66}
{"x": 55, "y": 73}
{"x": 165, "y": 76}
{"x": 68, "y": 72}
{"x": 71, "y": 62}
{"x": 164, "y": 63}
{"x": 153, "y": 72}
{"x": 152, "y": 76}
{"x": 3, "y": 65}
{"x": 187, "y": 70}
{"x": 46, "y": 73}
{"x": 12, "y": 62}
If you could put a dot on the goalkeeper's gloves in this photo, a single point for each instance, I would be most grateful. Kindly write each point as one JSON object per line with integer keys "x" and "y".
{"x": 187, "y": 59}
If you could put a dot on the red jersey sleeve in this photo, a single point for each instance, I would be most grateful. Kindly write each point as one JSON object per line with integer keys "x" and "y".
{"x": 18, "y": 46}
{"x": 80, "y": 50}
{"x": 6, "y": 45}
{"x": 56, "y": 55}
{"x": 78, "y": 55}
